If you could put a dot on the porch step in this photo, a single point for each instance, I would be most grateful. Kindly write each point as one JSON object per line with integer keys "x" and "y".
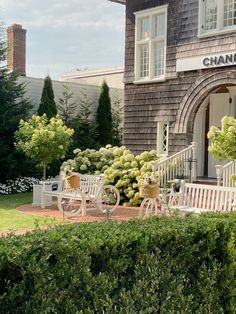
{"x": 208, "y": 181}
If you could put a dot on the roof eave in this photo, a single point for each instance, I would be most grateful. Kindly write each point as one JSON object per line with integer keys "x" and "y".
{"x": 119, "y": 1}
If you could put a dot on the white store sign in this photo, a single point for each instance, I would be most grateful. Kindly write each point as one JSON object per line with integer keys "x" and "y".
{"x": 206, "y": 61}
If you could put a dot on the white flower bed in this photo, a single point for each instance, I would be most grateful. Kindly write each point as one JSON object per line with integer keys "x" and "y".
{"x": 20, "y": 185}
{"x": 120, "y": 167}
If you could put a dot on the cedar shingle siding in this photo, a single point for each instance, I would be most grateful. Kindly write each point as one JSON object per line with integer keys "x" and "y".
{"x": 177, "y": 99}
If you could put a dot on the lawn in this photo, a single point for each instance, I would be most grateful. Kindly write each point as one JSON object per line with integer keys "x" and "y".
{"x": 10, "y": 218}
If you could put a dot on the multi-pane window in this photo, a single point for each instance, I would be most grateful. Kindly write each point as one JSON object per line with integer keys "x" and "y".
{"x": 159, "y": 59}
{"x": 162, "y": 138}
{"x": 229, "y": 13}
{"x": 216, "y": 16}
{"x": 144, "y": 28}
{"x": 210, "y": 14}
{"x": 144, "y": 60}
{"x": 150, "y": 44}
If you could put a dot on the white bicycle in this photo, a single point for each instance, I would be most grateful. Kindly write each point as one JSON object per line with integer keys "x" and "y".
{"x": 88, "y": 189}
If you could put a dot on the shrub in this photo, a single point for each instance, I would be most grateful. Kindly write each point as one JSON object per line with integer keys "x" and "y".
{"x": 120, "y": 167}
{"x": 22, "y": 185}
{"x": 222, "y": 139}
{"x": 158, "y": 265}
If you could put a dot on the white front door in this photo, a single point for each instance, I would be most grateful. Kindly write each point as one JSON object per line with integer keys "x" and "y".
{"x": 219, "y": 107}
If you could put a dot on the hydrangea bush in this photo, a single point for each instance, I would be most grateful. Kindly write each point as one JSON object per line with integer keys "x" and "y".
{"x": 223, "y": 140}
{"x": 20, "y": 185}
{"x": 121, "y": 168}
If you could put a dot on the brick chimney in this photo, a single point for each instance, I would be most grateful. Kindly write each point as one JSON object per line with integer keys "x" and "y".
{"x": 16, "y": 55}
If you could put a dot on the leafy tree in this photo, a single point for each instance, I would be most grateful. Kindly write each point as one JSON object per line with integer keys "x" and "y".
{"x": 47, "y": 104}
{"x": 66, "y": 105}
{"x": 104, "y": 116}
{"x": 223, "y": 142}
{"x": 13, "y": 107}
{"x": 85, "y": 135}
{"x": 117, "y": 129}
{"x": 43, "y": 140}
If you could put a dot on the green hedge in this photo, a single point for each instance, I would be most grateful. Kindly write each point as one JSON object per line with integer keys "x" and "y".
{"x": 158, "y": 265}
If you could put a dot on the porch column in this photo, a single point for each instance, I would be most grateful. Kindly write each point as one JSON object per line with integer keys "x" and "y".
{"x": 194, "y": 170}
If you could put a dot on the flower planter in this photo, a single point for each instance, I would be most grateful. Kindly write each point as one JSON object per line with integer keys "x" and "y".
{"x": 73, "y": 181}
{"x": 149, "y": 191}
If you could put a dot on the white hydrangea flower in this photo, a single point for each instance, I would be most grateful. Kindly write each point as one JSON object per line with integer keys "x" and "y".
{"x": 76, "y": 151}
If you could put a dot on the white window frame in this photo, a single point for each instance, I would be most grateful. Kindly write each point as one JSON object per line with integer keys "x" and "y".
{"x": 151, "y": 41}
{"x": 220, "y": 28}
{"x": 160, "y": 138}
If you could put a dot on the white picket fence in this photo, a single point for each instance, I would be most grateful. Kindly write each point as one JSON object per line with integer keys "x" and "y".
{"x": 180, "y": 165}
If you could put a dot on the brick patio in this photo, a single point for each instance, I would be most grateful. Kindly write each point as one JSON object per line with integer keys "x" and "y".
{"x": 120, "y": 214}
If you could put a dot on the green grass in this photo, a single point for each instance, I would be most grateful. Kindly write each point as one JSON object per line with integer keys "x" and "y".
{"x": 11, "y": 219}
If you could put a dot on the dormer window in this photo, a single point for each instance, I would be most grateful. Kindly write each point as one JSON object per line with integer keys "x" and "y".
{"x": 216, "y": 16}
{"x": 150, "y": 44}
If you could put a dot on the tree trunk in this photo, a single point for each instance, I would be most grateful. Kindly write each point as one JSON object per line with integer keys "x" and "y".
{"x": 44, "y": 172}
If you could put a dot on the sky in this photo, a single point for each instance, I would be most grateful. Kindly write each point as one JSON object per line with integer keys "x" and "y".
{"x": 64, "y": 35}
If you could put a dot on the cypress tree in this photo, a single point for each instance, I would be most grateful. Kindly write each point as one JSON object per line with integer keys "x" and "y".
{"x": 47, "y": 103}
{"x": 104, "y": 116}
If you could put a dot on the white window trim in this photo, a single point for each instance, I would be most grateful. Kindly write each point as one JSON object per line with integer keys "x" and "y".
{"x": 160, "y": 129}
{"x": 139, "y": 15}
{"x": 220, "y": 28}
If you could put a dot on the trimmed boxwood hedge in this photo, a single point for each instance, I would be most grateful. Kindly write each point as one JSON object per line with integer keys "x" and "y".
{"x": 157, "y": 265}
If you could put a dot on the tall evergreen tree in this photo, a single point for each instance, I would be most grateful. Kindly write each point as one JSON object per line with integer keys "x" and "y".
{"x": 104, "y": 116}
{"x": 13, "y": 107}
{"x": 47, "y": 104}
{"x": 85, "y": 129}
{"x": 66, "y": 105}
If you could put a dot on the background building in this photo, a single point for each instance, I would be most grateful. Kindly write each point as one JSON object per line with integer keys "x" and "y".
{"x": 113, "y": 76}
{"x": 180, "y": 74}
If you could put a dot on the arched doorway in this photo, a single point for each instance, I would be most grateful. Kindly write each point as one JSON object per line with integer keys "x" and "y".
{"x": 220, "y": 102}
{"x": 212, "y": 96}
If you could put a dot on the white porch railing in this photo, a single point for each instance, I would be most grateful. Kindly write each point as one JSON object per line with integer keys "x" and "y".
{"x": 225, "y": 172}
{"x": 181, "y": 164}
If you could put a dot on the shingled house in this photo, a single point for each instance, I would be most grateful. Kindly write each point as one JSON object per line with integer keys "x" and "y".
{"x": 180, "y": 74}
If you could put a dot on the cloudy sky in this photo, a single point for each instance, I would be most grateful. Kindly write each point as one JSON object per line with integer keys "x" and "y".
{"x": 63, "y": 35}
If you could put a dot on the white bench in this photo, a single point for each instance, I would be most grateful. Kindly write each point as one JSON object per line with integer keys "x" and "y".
{"x": 198, "y": 198}
{"x": 89, "y": 184}
{"x": 88, "y": 189}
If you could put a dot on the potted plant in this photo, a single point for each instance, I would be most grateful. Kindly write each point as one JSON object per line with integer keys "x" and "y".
{"x": 149, "y": 187}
